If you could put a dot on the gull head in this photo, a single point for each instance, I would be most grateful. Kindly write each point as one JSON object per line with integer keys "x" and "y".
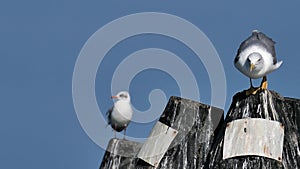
{"x": 255, "y": 62}
{"x": 123, "y": 95}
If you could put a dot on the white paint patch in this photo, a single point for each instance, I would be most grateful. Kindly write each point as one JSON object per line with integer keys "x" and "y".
{"x": 157, "y": 144}
{"x": 254, "y": 136}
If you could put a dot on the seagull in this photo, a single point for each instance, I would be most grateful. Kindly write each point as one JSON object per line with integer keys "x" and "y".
{"x": 256, "y": 58}
{"x": 120, "y": 114}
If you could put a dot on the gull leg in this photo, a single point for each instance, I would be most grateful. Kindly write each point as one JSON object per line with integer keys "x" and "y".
{"x": 124, "y": 134}
{"x": 115, "y": 131}
{"x": 264, "y": 83}
{"x": 252, "y": 90}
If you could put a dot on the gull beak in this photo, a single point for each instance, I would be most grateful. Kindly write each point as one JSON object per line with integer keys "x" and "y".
{"x": 114, "y": 97}
{"x": 252, "y": 66}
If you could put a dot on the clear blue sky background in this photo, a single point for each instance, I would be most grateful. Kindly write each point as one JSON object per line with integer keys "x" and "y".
{"x": 40, "y": 42}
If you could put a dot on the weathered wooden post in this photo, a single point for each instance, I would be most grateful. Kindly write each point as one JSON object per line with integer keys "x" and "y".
{"x": 259, "y": 131}
{"x": 195, "y": 124}
{"x": 120, "y": 153}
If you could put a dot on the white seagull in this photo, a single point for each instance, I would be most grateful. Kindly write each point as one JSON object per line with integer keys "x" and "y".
{"x": 256, "y": 58}
{"x": 120, "y": 114}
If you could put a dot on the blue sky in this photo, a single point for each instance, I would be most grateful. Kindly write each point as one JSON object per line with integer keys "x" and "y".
{"x": 41, "y": 40}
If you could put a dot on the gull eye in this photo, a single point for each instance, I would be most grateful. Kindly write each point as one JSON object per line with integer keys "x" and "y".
{"x": 123, "y": 96}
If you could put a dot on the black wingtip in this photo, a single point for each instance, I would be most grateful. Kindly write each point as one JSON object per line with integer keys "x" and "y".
{"x": 256, "y": 34}
{"x": 255, "y": 31}
{"x": 236, "y": 59}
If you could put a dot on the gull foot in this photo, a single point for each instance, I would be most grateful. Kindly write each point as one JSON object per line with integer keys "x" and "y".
{"x": 264, "y": 83}
{"x": 252, "y": 90}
